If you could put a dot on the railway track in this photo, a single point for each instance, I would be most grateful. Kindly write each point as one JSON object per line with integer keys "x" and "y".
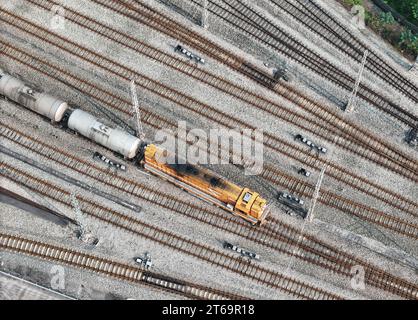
{"x": 110, "y": 268}
{"x": 330, "y": 199}
{"x": 323, "y": 24}
{"x": 275, "y": 235}
{"x": 398, "y": 163}
{"x": 374, "y": 276}
{"x": 254, "y": 24}
{"x": 146, "y": 15}
{"x": 215, "y": 257}
{"x": 348, "y": 206}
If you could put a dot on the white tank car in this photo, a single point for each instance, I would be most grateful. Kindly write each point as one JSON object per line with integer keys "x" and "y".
{"x": 113, "y": 139}
{"x": 41, "y": 103}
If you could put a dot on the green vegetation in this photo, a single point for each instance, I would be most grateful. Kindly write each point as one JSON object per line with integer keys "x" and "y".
{"x": 385, "y": 24}
{"x": 407, "y": 8}
{"x": 353, "y": 2}
{"x": 409, "y": 41}
{"x": 386, "y": 18}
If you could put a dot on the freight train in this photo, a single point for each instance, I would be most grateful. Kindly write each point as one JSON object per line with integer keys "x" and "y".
{"x": 201, "y": 182}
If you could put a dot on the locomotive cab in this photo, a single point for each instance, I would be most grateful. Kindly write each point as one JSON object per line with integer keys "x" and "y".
{"x": 252, "y": 205}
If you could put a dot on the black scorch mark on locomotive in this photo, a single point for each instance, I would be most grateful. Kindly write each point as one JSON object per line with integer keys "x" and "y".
{"x": 191, "y": 170}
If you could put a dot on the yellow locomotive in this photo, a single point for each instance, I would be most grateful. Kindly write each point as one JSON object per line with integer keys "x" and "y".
{"x": 202, "y": 183}
{"x": 206, "y": 185}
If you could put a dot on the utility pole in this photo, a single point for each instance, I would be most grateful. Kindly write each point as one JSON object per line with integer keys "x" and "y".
{"x": 85, "y": 234}
{"x": 205, "y": 14}
{"x": 414, "y": 67}
{"x": 351, "y": 102}
{"x": 77, "y": 212}
{"x": 139, "y": 130}
{"x": 316, "y": 195}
